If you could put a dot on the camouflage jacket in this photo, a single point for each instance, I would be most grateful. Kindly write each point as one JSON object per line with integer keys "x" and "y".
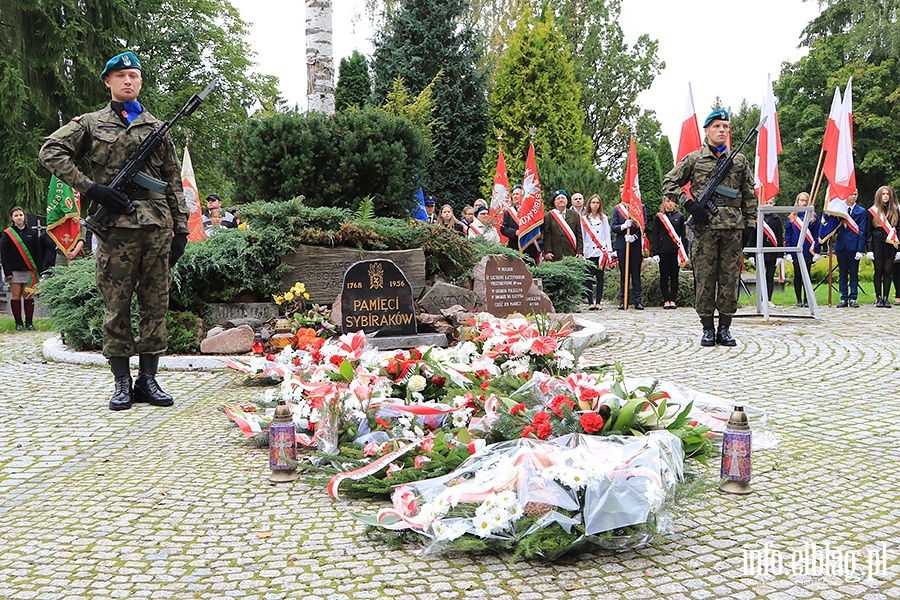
{"x": 107, "y": 143}
{"x": 697, "y": 168}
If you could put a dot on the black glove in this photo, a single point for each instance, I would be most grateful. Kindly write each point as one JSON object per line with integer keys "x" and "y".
{"x": 701, "y": 217}
{"x": 110, "y": 199}
{"x": 747, "y": 237}
{"x": 179, "y": 242}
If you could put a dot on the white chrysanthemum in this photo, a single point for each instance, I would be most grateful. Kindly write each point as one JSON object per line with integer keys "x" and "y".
{"x": 507, "y": 498}
{"x": 515, "y": 512}
{"x": 487, "y": 505}
{"x": 416, "y": 383}
{"x": 319, "y": 376}
{"x": 564, "y": 359}
{"x": 551, "y": 472}
{"x": 459, "y": 401}
{"x": 350, "y": 402}
{"x": 461, "y": 417}
{"x": 417, "y": 397}
{"x": 483, "y": 526}
{"x": 405, "y": 422}
{"x": 382, "y": 389}
{"x": 521, "y": 347}
{"x": 257, "y": 365}
{"x": 465, "y": 351}
{"x": 329, "y": 350}
{"x": 447, "y": 531}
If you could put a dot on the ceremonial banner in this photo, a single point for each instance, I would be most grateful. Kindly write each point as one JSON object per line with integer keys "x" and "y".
{"x": 631, "y": 192}
{"x": 192, "y": 199}
{"x": 63, "y": 215}
{"x": 500, "y": 196}
{"x": 689, "y": 140}
{"x": 531, "y": 213}
{"x": 838, "y": 166}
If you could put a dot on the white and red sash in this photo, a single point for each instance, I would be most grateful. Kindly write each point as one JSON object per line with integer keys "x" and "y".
{"x": 770, "y": 233}
{"x": 850, "y": 222}
{"x": 476, "y": 229}
{"x": 604, "y": 254}
{"x": 796, "y": 222}
{"x": 465, "y": 227}
{"x": 566, "y": 229}
{"x": 682, "y": 253}
{"x": 889, "y": 229}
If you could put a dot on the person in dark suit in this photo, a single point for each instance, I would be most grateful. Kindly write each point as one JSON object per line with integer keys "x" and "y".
{"x": 562, "y": 230}
{"x": 849, "y": 247}
{"x": 664, "y": 249}
{"x": 622, "y": 224}
{"x": 810, "y": 245}
{"x": 510, "y": 226}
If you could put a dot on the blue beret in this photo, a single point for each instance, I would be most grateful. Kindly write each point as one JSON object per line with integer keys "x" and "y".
{"x": 720, "y": 114}
{"x": 429, "y": 200}
{"x": 480, "y": 209}
{"x": 518, "y": 186}
{"x": 558, "y": 192}
{"x": 126, "y": 60}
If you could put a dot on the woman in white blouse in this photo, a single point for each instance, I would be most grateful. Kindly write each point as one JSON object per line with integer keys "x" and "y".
{"x": 597, "y": 247}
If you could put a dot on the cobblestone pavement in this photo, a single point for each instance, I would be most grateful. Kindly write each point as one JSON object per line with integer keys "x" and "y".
{"x": 172, "y": 503}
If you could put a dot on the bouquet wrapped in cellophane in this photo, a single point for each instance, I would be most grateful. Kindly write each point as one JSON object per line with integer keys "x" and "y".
{"x": 545, "y": 498}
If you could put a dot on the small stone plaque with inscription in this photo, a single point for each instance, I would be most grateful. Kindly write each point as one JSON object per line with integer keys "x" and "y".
{"x": 503, "y": 285}
{"x": 376, "y": 298}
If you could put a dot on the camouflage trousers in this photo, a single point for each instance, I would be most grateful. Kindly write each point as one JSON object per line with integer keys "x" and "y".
{"x": 717, "y": 259}
{"x": 134, "y": 261}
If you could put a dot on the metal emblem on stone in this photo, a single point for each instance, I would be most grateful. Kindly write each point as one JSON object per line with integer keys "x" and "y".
{"x": 376, "y": 298}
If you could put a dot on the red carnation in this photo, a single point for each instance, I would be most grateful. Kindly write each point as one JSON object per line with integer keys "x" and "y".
{"x": 544, "y": 430}
{"x": 438, "y": 381}
{"x": 485, "y": 385}
{"x": 557, "y": 403}
{"x": 540, "y": 417}
{"x": 527, "y": 431}
{"x": 518, "y": 408}
{"x": 591, "y": 422}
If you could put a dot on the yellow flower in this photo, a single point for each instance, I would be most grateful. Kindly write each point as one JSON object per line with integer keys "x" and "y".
{"x": 301, "y": 287}
{"x": 305, "y": 295}
{"x": 242, "y": 226}
{"x": 289, "y": 296}
{"x": 278, "y": 299}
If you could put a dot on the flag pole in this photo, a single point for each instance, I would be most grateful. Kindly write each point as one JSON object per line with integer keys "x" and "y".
{"x": 817, "y": 177}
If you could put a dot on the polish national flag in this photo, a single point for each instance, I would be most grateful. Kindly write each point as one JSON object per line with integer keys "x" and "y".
{"x": 831, "y": 130}
{"x": 690, "y": 129}
{"x": 838, "y": 165}
{"x": 768, "y": 147}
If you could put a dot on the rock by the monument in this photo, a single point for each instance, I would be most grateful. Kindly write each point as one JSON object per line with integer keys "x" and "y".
{"x": 336, "y": 311}
{"x": 456, "y": 315}
{"x": 444, "y": 295}
{"x": 237, "y": 322}
{"x": 538, "y": 302}
{"x": 563, "y": 321}
{"x": 437, "y": 323}
{"x": 238, "y": 340}
{"x": 214, "y": 331}
{"x": 264, "y": 334}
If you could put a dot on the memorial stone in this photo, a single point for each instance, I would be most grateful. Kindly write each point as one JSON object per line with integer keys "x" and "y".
{"x": 376, "y": 298}
{"x": 503, "y": 286}
{"x": 444, "y": 295}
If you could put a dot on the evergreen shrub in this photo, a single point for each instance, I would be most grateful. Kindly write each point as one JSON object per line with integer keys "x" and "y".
{"x": 564, "y": 281}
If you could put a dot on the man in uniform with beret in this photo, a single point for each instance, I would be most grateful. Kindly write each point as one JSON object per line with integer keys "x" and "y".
{"x": 716, "y": 253}
{"x": 430, "y": 214}
{"x": 139, "y": 249}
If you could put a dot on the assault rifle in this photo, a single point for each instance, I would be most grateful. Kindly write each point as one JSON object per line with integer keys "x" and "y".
{"x": 706, "y": 199}
{"x": 131, "y": 176}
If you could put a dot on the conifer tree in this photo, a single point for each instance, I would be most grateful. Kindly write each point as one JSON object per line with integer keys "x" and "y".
{"x": 664, "y": 155}
{"x": 650, "y": 180}
{"x": 535, "y": 86}
{"x": 420, "y": 39}
{"x": 354, "y": 86}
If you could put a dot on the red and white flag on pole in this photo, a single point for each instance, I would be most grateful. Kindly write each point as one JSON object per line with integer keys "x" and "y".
{"x": 192, "y": 199}
{"x": 689, "y": 140}
{"x": 838, "y": 165}
{"x": 831, "y": 129}
{"x": 631, "y": 191}
{"x": 768, "y": 147}
{"x": 500, "y": 196}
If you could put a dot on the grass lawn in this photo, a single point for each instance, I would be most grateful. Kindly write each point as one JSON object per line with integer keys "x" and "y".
{"x": 8, "y": 324}
{"x": 788, "y": 298}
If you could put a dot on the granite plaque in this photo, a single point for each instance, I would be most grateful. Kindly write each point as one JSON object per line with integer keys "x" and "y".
{"x": 503, "y": 285}
{"x": 322, "y": 269}
{"x": 376, "y": 297}
{"x": 444, "y": 295}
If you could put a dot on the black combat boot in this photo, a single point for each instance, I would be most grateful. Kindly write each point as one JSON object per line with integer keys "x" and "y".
{"x": 709, "y": 332}
{"x": 146, "y": 389}
{"x": 123, "y": 396}
{"x": 723, "y": 336}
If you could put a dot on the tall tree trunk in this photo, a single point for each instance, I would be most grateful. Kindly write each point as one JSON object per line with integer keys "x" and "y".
{"x": 319, "y": 57}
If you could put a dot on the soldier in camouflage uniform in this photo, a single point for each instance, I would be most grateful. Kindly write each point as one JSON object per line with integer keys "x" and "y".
{"x": 717, "y": 250}
{"x": 137, "y": 255}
